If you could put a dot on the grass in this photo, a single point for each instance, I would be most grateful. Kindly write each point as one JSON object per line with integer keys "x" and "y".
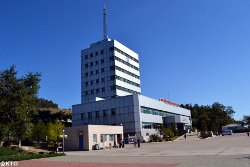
{"x": 17, "y": 154}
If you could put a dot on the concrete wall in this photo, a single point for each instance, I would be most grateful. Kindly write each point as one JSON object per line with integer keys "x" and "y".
{"x": 73, "y": 133}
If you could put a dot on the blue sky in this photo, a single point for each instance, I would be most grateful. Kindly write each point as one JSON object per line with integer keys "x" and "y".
{"x": 190, "y": 51}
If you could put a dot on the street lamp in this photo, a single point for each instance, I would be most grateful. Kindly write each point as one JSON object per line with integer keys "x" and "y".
{"x": 63, "y": 140}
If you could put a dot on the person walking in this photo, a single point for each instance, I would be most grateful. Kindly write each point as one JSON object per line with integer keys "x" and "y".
{"x": 139, "y": 143}
{"x": 123, "y": 143}
{"x": 185, "y": 136}
{"x": 248, "y": 134}
{"x": 120, "y": 143}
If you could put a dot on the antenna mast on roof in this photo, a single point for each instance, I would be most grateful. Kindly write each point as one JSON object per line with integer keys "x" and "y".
{"x": 105, "y": 31}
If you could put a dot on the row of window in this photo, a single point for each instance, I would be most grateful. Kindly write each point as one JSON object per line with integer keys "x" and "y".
{"x": 97, "y": 91}
{"x": 92, "y": 54}
{"x": 126, "y": 63}
{"x": 97, "y": 114}
{"x": 126, "y": 72}
{"x": 91, "y": 64}
{"x": 154, "y": 112}
{"x": 96, "y": 72}
{"x": 125, "y": 54}
{"x": 151, "y": 126}
{"x": 97, "y": 81}
{"x": 126, "y": 90}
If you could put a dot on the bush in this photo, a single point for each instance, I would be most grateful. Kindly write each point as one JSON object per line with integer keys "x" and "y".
{"x": 27, "y": 142}
{"x": 6, "y": 144}
{"x": 154, "y": 138}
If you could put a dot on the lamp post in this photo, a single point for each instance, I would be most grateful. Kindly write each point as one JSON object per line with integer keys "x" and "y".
{"x": 63, "y": 140}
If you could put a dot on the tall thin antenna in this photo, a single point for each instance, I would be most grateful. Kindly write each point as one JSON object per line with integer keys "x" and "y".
{"x": 105, "y": 31}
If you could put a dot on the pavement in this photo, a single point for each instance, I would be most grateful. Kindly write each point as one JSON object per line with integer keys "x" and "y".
{"x": 229, "y": 151}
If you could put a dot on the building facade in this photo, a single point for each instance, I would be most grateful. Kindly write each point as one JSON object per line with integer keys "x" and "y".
{"x": 108, "y": 69}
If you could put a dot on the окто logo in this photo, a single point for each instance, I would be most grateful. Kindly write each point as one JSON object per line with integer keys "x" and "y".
{"x": 9, "y": 163}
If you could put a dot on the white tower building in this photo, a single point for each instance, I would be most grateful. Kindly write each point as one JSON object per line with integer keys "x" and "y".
{"x": 109, "y": 69}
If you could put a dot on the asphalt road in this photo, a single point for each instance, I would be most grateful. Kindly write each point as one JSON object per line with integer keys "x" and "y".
{"x": 229, "y": 151}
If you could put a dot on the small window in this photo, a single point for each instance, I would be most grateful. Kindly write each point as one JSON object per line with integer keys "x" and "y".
{"x": 92, "y": 91}
{"x": 86, "y": 65}
{"x": 86, "y": 74}
{"x": 91, "y": 54}
{"x": 89, "y": 115}
{"x": 113, "y": 111}
{"x": 111, "y": 49}
{"x": 91, "y": 82}
{"x": 97, "y": 71}
{"x": 103, "y": 79}
{"x": 86, "y": 83}
{"x": 96, "y": 62}
{"x": 82, "y": 116}
{"x": 112, "y": 77}
{"x": 104, "y": 113}
{"x": 86, "y": 92}
{"x": 111, "y": 137}
{"x": 102, "y": 51}
{"x": 91, "y": 64}
{"x": 112, "y": 68}
{"x": 103, "y": 89}
{"x": 102, "y": 69}
{"x": 91, "y": 72}
{"x": 94, "y": 138}
{"x": 102, "y": 61}
{"x": 97, "y": 90}
{"x": 112, "y": 58}
{"x": 97, "y": 114}
{"x": 96, "y": 53}
{"x": 86, "y": 56}
{"x": 97, "y": 81}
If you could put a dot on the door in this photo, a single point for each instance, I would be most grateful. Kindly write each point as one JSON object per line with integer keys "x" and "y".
{"x": 81, "y": 142}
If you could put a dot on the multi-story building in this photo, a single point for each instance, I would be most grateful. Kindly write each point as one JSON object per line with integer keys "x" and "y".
{"x": 111, "y": 93}
{"x": 109, "y": 69}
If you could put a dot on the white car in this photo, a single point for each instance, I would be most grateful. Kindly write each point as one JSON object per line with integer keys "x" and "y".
{"x": 227, "y": 132}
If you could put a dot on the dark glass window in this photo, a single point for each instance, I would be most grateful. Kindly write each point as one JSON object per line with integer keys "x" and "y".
{"x": 96, "y": 53}
{"x": 112, "y": 67}
{"x": 86, "y": 65}
{"x": 113, "y": 111}
{"x": 89, "y": 115}
{"x": 97, "y": 90}
{"x": 92, "y": 91}
{"x": 91, "y": 54}
{"x": 91, "y": 64}
{"x": 103, "y": 89}
{"x": 91, "y": 72}
{"x": 86, "y": 74}
{"x": 86, "y": 92}
{"x": 97, "y": 114}
{"x": 86, "y": 56}
{"x": 111, "y": 49}
{"x": 86, "y": 83}
{"x": 97, "y": 71}
{"x": 112, "y": 58}
{"x": 82, "y": 116}
{"x": 104, "y": 113}
{"x": 102, "y": 51}
{"x": 96, "y": 62}
{"x": 103, "y": 79}
{"x": 102, "y": 69}
{"x": 91, "y": 82}
{"x": 102, "y": 61}
{"x": 97, "y": 81}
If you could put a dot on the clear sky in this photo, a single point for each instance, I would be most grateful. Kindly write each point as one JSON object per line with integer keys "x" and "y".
{"x": 191, "y": 51}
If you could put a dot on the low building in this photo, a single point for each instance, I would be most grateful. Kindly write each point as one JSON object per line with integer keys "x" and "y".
{"x": 89, "y": 137}
{"x": 139, "y": 115}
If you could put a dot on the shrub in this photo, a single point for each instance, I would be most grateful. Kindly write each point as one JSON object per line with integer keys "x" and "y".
{"x": 154, "y": 138}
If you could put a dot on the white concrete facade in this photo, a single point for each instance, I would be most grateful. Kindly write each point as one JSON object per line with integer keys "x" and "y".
{"x": 85, "y": 137}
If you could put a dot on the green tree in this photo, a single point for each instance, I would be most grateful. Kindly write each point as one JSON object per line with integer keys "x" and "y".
{"x": 39, "y": 132}
{"x": 55, "y": 130}
{"x": 17, "y": 99}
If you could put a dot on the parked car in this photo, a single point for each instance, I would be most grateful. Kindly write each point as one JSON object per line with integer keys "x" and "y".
{"x": 227, "y": 132}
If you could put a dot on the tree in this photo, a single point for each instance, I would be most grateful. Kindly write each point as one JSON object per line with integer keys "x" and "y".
{"x": 39, "y": 132}
{"x": 55, "y": 130}
{"x": 17, "y": 99}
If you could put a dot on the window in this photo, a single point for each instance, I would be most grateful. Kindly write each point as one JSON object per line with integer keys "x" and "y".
{"x": 91, "y": 82}
{"x": 91, "y": 72}
{"x": 82, "y": 116}
{"x": 112, "y": 67}
{"x": 103, "y": 89}
{"x": 102, "y": 69}
{"x": 97, "y": 90}
{"x": 112, "y": 87}
{"x": 97, "y": 71}
{"x": 111, "y": 49}
{"x": 103, "y": 79}
{"x": 112, "y": 77}
{"x": 113, "y": 111}
{"x": 96, "y": 53}
{"x": 102, "y": 51}
{"x": 91, "y": 54}
{"x": 86, "y": 56}
{"x": 97, "y": 81}
{"x": 96, "y": 62}
{"x": 112, "y": 58}
{"x": 91, "y": 64}
{"x": 102, "y": 61}
{"x": 86, "y": 74}
{"x": 86, "y": 83}
{"x": 97, "y": 114}
{"x": 102, "y": 139}
{"x": 89, "y": 115}
{"x": 94, "y": 138}
{"x": 111, "y": 137}
{"x": 104, "y": 113}
{"x": 92, "y": 91}
{"x": 86, "y": 92}
{"x": 86, "y": 65}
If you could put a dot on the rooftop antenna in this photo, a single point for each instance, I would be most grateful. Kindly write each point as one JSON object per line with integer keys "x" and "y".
{"x": 105, "y": 31}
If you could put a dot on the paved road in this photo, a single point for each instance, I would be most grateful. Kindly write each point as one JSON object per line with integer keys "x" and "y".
{"x": 230, "y": 151}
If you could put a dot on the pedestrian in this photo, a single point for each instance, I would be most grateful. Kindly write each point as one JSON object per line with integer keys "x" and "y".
{"x": 120, "y": 143}
{"x": 248, "y": 134}
{"x": 138, "y": 142}
{"x": 123, "y": 142}
{"x": 135, "y": 143}
{"x": 185, "y": 136}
